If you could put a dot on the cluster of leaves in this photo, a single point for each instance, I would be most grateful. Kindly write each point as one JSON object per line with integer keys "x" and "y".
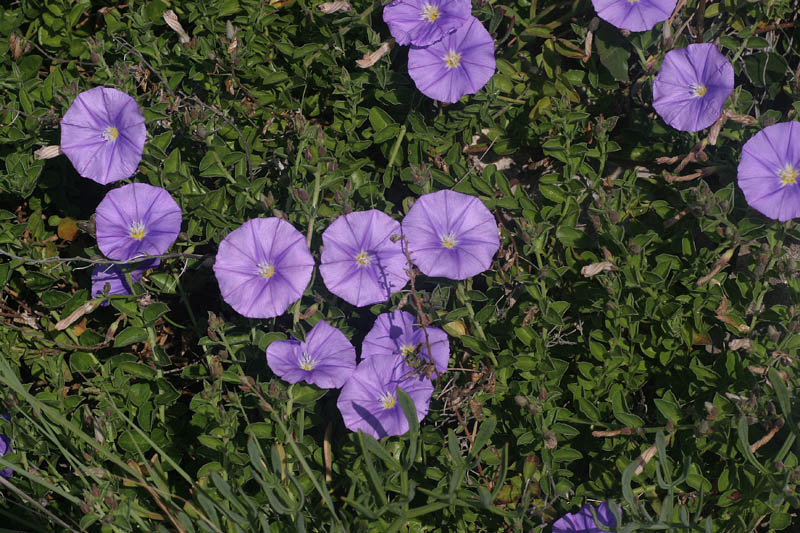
{"x": 662, "y": 377}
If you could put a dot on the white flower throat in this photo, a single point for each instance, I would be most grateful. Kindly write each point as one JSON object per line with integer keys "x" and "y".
{"x": 430, "y": 13}
{"x": 137, "y": 230}
{"x": 788, "y": 174}
{"x": 452, "y": 59}
{"x": 306, "y": 362}
{"x": 698, "y": 90}
{"x": 387, "y": 400}
{"x": 266, "y": 270}
{"x": 363, "y": 259}
{"x": 110, "y": 134}
{"x": 449, "y": 240}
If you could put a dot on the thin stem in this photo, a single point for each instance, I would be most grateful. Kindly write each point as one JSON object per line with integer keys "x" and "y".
{"x": 97, "y": 261}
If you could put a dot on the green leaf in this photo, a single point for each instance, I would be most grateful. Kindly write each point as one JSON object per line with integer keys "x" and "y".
{"x": 670, "y": 410}
{"x": 380, "y": 119}
{"x": 138, "y": 370}
{"x": 306, "y": 394}
{"x": 130, "y": 335}
{"x": 168, "y": 393}
{"x": 227, "y": 8}
{"x": 484, "y": 433}
{"x": 261, "y": 430}
{"x": 140, "y": 393}
{"x": 572, "y": 238}
{"x": 613, "y": 51}
{"x": 552, "y": 193}
{"x": 780, "y": 520}
{"x": 210, "y": 442}
{"x": 153, "y": 311}
{"x": 744, "y": 442}
{"x": 629, "y": 419}
{"x": 132, "y": 442}
{"x": 53, "y": 298}
{"x": 627, "y": 478}
{"x": 372, "y": 475}
{"x": 82, "y": 362}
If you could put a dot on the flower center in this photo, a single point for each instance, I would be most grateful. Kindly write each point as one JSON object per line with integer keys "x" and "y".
{"x": 788, "y": 174}
{"x": 632, "y": 1}
{"x": 430, "y": 13}
{"x": 388, "y": 400}
{"x": 449, "y": 240}
{"x": 137, "y": 230}
{"x": 363, "y": 259}
{"x": 307, "y": 363}
{"x": 110, "y": 134}
{"x": 698, "y": 89}
{"x": 452, "y": 59}
{"x": 406, "y": 350}
{"x": 266, "y": 270}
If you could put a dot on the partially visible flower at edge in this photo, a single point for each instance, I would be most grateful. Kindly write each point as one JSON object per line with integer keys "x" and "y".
{"x": 368, "y": 400}
{"x": 634, "y": 15}
{"x": 326, "y": 358}
{"x": 583, "y": 521}
{"x": 451, "y": 235}
{"x": 103, "y": 135}
{"x": 136, "y": 220}
{"x": 424, "y": 22}
{"x": 692, "y": 86}
{"x": 461, "y": 63}
{"x": 5, "y": 447}
{"x": 769, "y": 170}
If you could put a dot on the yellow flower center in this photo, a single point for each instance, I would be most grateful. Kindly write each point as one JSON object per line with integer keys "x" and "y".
{"x": 110, "y": 134}
{"x": 788, "y": 175}
{"x": 137, "y": 230}
{"x": 388, "y": 400}
{"x": 449, "y": 240}
{"x": 306, "y": 363}
{"x": 698, "y": 89}
{"x": 452, "y": 59}
{"x": 266, "y": 270}
{"x": 430, "y": 13}
{"x": 363, "y": 259}
{"x": 633, "y": 1}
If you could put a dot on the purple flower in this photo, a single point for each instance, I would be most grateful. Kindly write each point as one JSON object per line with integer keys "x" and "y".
{"x": 5, "y": 447}
{"x": 583, "y": 521}
{"x": 634, "y": 15}
{"x": 326, "y": 359}
{"x": 368, "y": 400}
{"x": 396, "y": 333}
{"x": 103, "y": 135}
{"x": 262, "y": 267}
{"x": 360, "y": 263}
{"x": 451, "y": 235}
{"x": 692, "y": 86}
{"x": 769, "y": 170}
{"x": 461, "y": 63}
{"x": 114, "y": 277}
{"x": 423, "y": 22}
{"x": 136, "y": 220}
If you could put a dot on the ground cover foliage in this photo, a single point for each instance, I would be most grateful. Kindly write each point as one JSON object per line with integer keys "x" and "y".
{"x": 634, "y": 341}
